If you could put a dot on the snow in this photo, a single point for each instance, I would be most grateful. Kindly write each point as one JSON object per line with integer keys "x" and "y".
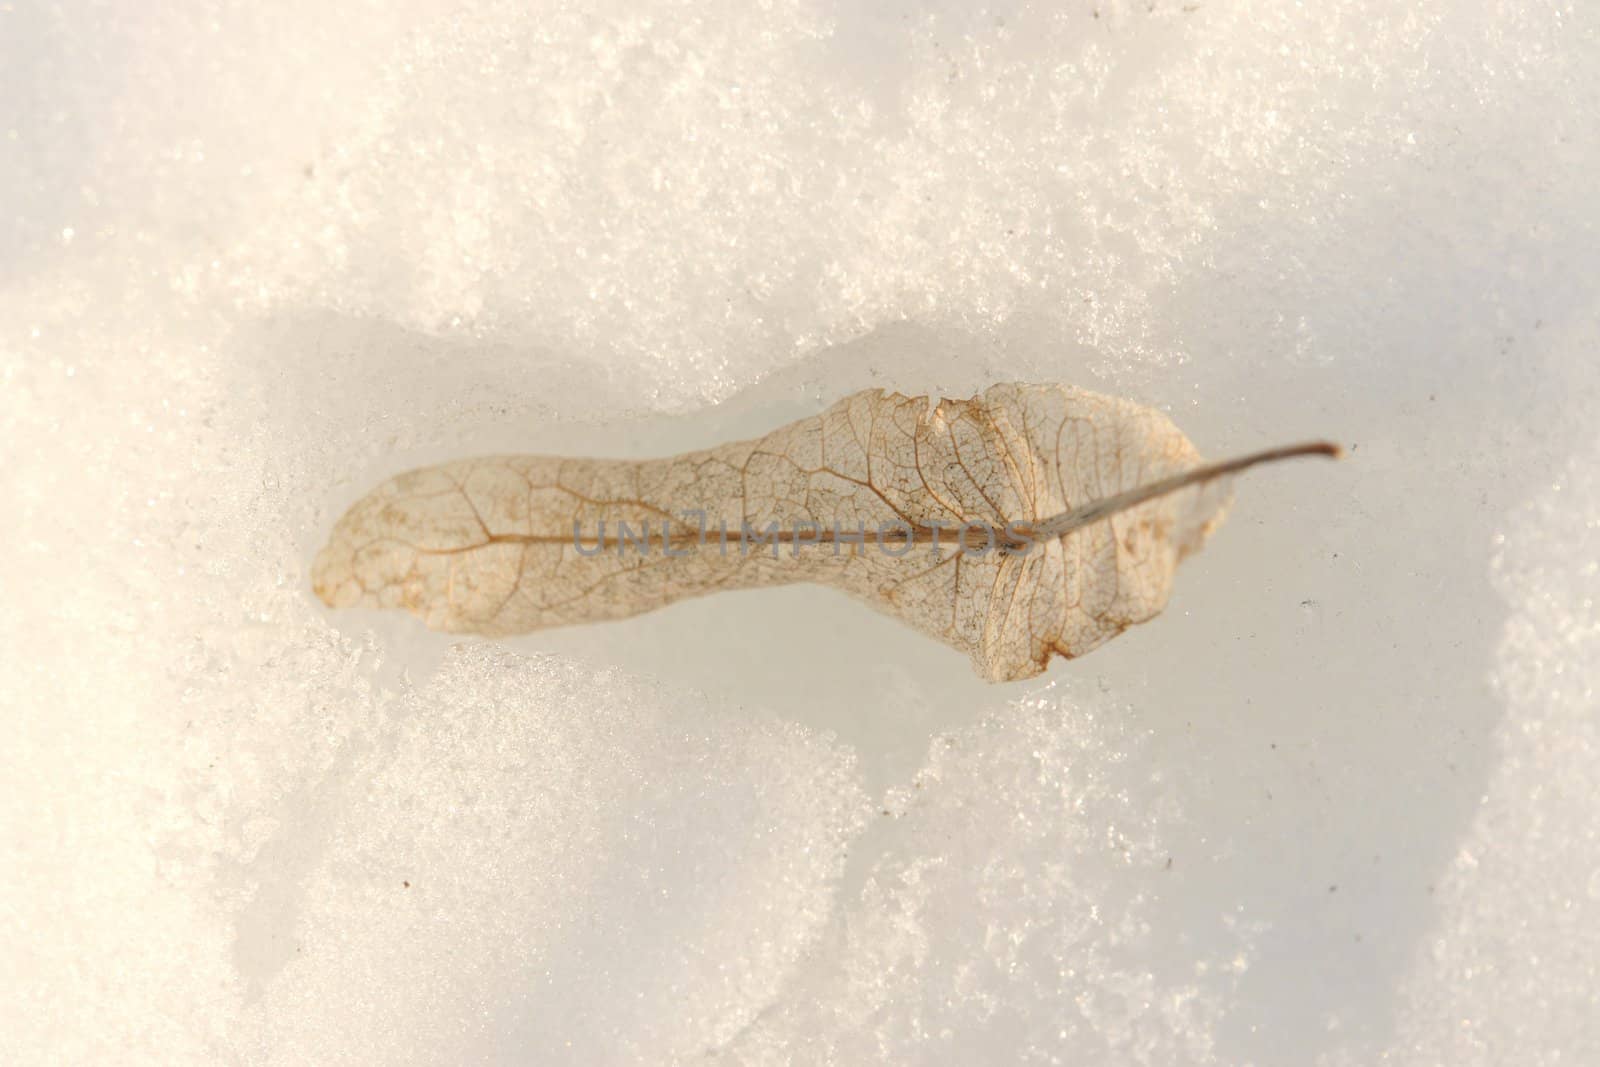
{"x": 1337, "y": 805}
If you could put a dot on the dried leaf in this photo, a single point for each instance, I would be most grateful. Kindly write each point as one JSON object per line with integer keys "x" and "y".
{"x": 1027, "y": 522}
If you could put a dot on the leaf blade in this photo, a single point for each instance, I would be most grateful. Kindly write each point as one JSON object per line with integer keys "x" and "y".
{"x": 1110, "y": 491}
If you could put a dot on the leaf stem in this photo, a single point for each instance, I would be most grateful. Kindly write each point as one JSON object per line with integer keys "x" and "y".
{"x": 1064, "y": 523}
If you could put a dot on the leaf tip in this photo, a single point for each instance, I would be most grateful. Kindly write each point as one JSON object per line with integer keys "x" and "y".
{"x": 332, "y": 579}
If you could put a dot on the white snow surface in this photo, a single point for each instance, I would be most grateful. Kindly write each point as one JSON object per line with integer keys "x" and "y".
{"x": 1338, "y": 805}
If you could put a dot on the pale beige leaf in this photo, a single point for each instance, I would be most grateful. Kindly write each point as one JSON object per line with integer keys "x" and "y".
{"x": 1079, "y": 508}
